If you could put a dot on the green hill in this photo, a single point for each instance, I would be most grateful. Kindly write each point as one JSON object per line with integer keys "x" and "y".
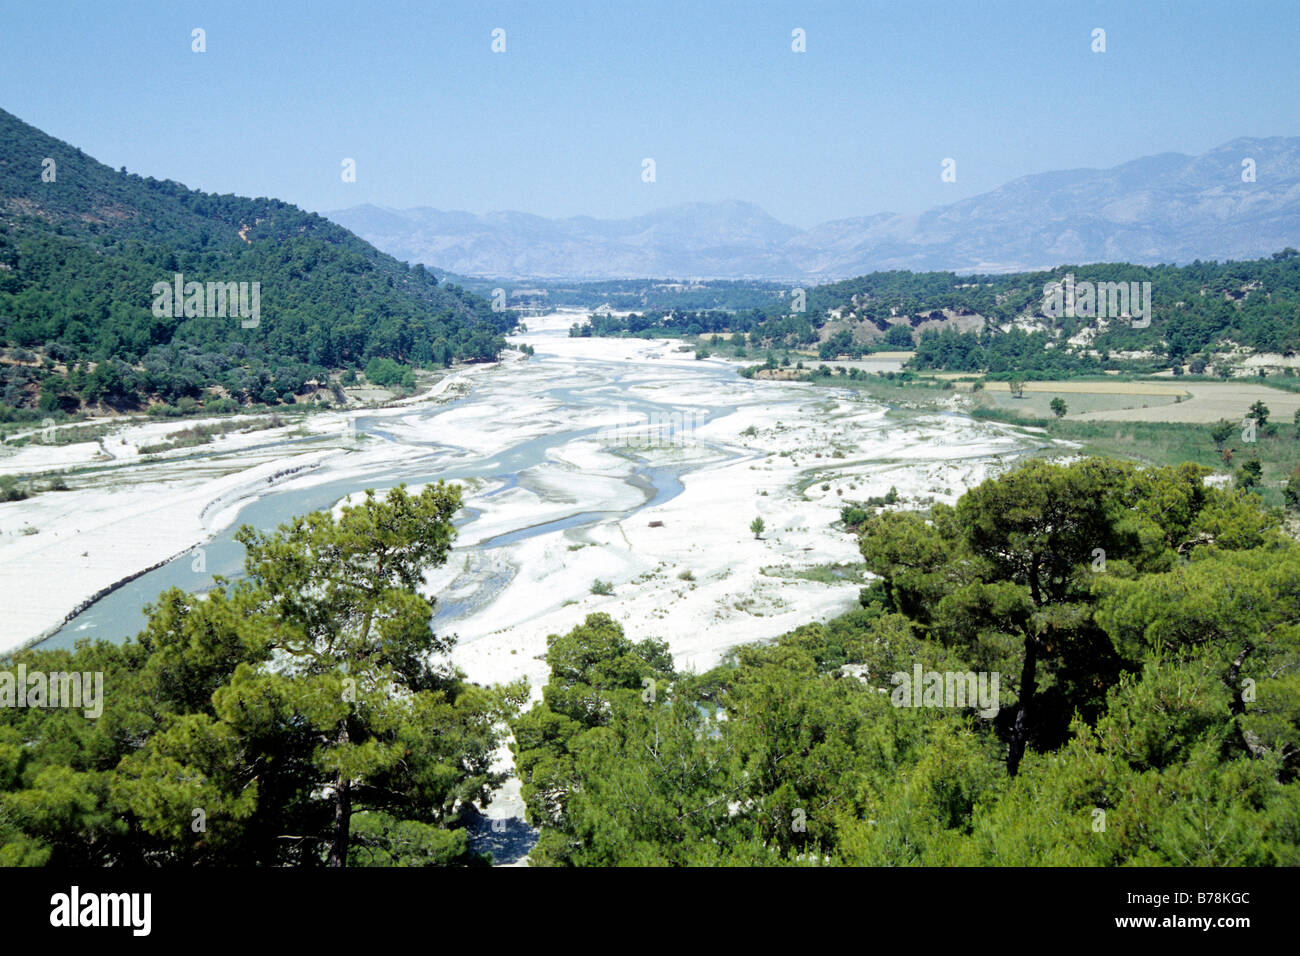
{"x": 82, "y": 246}
{"x": 1201, "y": 314}
{"x": 1205, "y": 310}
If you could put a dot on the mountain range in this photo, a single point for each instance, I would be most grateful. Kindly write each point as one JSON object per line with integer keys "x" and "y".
{"x": 1167, "y": 208}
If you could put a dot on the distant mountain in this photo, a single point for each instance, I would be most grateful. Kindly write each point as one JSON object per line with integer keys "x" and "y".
{"x": 729, "y": 238}
{"x": 82, "y": 247}
{"x": 1168, "y": 208}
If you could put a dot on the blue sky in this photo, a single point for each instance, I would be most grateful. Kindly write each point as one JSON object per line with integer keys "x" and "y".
{"x": 559, "y": 124}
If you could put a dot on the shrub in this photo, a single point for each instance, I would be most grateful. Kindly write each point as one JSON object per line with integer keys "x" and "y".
{"x": 10, "y": 490}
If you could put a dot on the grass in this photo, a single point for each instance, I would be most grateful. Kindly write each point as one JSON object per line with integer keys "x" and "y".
{"x": 61, "y": 436}
{"x": 1038, "y": 404}
{"x": 921, "y": 392}
{"x": 1148, "y": 442}
{"x": 1130, "y": 390}
{"x": 11, "y": 490}
{"x": 821, "y": 573}
{"x": 203, "y": 434}
{"x": 1172, "y": 443}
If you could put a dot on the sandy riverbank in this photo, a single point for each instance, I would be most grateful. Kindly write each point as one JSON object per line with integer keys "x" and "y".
{"x": 551, "y": 422}
{"x": 125, "y": 512}
{"x": 689, "y": 570}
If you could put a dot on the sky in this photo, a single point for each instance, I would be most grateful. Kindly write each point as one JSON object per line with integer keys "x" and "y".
{"x": 560, "y": 123}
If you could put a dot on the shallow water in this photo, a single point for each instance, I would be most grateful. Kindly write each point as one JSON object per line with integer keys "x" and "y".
{"x": 580, "y": 388}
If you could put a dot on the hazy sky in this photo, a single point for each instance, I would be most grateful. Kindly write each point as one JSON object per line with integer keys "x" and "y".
{"x": 560, "y": 122}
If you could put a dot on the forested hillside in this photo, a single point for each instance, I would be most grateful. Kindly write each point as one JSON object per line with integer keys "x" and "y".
{"x": 1196, "y": 308}
{"x": 82, "y": 245}
{"x": 995, "y": 323}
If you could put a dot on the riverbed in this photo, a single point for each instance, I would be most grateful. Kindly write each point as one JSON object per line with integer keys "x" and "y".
{"x": 621, "y": 461}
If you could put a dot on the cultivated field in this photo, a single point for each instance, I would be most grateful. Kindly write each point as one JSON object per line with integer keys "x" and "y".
{"x": 1190, "y": 403}
{"x": 1076, "y": 386}
{"x": 1207, "y": 402}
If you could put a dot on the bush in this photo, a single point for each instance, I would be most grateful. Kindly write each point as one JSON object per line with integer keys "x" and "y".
{"x": 1221, "y": 432}
{"x": 603, "y": 588}
{"x": 899, "y": 337}
{"x": 1249, "y": 474}
{"x": 853, "y": 515}
{"x": 221, "y": 406}
{"x": 1291, "y": 491}
{"x": 10, "y": 490}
